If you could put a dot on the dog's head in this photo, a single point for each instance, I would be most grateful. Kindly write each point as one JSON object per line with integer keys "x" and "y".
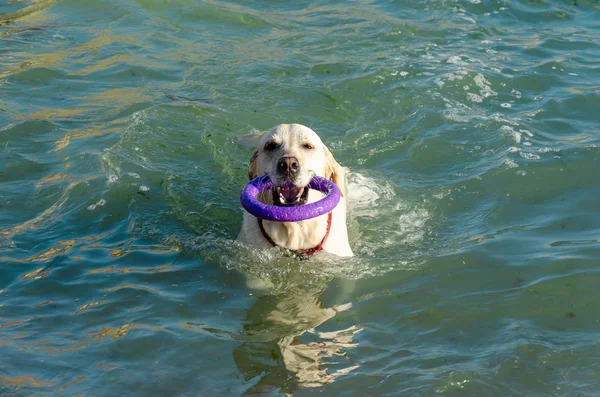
{"x": 291, "y": 154}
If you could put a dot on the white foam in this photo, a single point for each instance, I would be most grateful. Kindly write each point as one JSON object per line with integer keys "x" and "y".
{"x": 548, "y": 150}
{"x": 441, "y": 195}
{"x": 458, "y": 111}
{"x": 457, "y": 60}
{"x": 468, "y": 19}
{"x": 506, "y": 129}
{"x": 499, "y": 117}
{"x": 474, "y": 97}
{"x": 484, "y": 85}
{"x": 364, "y": 192}
{"x": 526, "y": 132}
{"x": 529, "y": 156}
{"x": 411, "y": 225}
{"x": 400, "y": 222}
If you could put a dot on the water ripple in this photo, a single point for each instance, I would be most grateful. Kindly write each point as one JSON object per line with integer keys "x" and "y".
{"x": 470, "y": 131}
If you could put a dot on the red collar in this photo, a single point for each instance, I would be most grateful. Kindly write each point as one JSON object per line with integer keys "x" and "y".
{"x": 300, "y": 252}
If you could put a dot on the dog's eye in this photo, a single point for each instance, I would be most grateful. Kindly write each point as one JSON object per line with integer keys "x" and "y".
{"x": 308, "y": 146}
{"x": 271, "y": 146}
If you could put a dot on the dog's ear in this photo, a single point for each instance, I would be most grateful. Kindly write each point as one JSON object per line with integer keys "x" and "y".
{"x": 253, "y": 167}
{"x": 334, "y": 171}
{"x": 250, "y": 141}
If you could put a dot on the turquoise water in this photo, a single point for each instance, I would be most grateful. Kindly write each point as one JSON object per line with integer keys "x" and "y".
{"x": 472, "y": 132}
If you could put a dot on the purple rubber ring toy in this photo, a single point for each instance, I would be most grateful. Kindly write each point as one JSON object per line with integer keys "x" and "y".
{"x": 289, "y": 214}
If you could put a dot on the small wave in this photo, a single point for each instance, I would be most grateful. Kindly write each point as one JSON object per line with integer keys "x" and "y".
{"x": 37, "y": 6}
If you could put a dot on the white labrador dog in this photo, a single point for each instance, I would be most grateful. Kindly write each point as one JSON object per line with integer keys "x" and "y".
{"x": 295, "y": 153}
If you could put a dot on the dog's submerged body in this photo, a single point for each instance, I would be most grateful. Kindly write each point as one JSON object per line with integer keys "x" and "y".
{"x": 295, "y": 153}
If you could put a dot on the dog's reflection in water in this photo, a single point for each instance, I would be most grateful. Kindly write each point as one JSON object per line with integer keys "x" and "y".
{"x": 284, "y": 349}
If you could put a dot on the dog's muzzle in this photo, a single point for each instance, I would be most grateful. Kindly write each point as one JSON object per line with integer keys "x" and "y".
{"x": 288, "y": 194}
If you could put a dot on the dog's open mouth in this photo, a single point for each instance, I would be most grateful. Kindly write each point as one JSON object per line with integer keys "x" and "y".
{"x": 289, "y": 195}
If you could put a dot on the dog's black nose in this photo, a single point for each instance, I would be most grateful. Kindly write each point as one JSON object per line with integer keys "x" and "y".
{"x": 288, "y": 166}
